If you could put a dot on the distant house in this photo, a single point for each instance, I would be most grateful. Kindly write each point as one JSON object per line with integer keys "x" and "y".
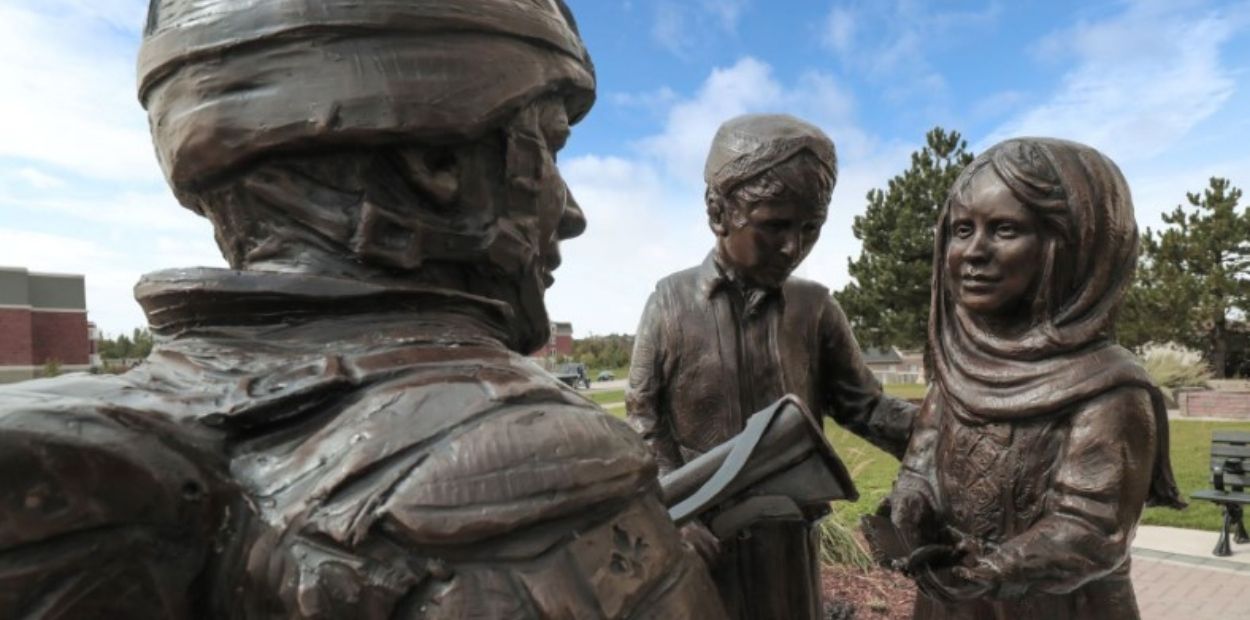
{"x": 560, "y": 344}
{"x": 43, "y": 318}
{"x": 891, "y": 365}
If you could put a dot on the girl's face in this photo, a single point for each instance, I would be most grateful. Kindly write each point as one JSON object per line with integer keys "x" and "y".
{"x": 994, "y": 249}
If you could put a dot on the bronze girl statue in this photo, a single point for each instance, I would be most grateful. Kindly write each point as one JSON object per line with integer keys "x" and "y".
{"x": 1041, "y": 439}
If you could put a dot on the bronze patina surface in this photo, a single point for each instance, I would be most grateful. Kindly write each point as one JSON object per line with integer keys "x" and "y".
{"x": 723, "y": 339}
{"x": 342, "y": 424}
{"x": 1040, "y": 440}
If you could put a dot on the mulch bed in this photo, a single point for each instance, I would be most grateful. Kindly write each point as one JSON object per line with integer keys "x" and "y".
{"x": 872, "y": 594}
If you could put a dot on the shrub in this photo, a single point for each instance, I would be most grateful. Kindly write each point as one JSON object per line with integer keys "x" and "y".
{"x": 51, "y": 368}
{"x": 840, "y": 545}
{"x": 1171, "y": 366}
{"x": 838, "y": 537}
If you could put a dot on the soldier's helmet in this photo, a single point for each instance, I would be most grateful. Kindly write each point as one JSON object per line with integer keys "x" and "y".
{"x": 225, "y": 81}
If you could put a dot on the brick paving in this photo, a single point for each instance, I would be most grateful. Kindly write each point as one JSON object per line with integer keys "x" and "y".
{"x": 1171, "y": 587}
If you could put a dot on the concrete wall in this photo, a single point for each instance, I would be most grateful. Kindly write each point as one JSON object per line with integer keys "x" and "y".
{"x": 13, "y": 287}
{"x": 13, "y": 374}
{"x": 1233, "y": 405}
{"x": 55, "y": 291}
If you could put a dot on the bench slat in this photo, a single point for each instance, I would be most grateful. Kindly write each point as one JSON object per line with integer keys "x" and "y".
{"x": 1230, "y": 462}
{"x": 1216, "y": 496}
{"x": 1230, "y": 436}
{"x": 1230, "y": 450}
{"x": 1235, "y": 480}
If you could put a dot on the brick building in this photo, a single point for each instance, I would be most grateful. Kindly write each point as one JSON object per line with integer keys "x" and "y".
{"x": 43, "y": 318}
{"x": 560, "y": 344}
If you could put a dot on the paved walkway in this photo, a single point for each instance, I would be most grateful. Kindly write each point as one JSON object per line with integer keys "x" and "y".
{"x": 1177, "y": 578}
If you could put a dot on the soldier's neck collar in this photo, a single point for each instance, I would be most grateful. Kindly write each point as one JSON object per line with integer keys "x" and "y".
{"x": 178, "y": 300}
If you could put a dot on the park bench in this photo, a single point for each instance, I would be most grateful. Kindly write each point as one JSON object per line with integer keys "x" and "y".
{"x": 1230, "y": 475}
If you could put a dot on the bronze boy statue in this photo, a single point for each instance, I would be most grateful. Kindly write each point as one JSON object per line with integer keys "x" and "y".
{"x": 719, "y": 341}
{"x": 342, "y": 425}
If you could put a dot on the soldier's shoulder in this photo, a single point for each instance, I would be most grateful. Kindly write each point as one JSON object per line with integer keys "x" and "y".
{"x": 88, "y": 460}
{"x": 495, "y": 444}
{"x": 80, "y": 472}
{"x": 521, "y": 465}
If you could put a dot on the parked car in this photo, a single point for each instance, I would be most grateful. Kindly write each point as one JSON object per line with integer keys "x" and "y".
{"x": 605, "y": 375}
{"x": 573, "y": 375}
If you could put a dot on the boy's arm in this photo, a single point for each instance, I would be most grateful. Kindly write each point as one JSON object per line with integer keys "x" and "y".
{"x": 853, "y": 396}
{"x": 645, "y": 402}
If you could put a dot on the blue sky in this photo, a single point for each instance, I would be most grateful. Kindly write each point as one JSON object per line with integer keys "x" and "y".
{"x": 1160, "y": 86}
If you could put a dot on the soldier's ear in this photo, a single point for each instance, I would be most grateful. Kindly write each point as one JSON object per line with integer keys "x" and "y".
{"x": 435, "y": 171}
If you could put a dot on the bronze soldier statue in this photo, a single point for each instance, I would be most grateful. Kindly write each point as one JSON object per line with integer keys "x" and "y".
{"x": 1040, "y": 440}
{"x": 342, "y": 425}
{"x": 721, "y": 340}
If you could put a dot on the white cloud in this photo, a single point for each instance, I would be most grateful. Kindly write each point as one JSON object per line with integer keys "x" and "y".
{"x": 892, "y": 38}
{"x": 996, "y": 105}
{"x": 1148, "y": 87}
{"x": 638, "y": 229}
{"x": 669, "y": 29}
{"x": 80, "y": 189}
{"x": 1139, "y": 82}
{"x": 111, "y": 253}
{"x": 682, "y": 146}
{"x": 138, "y": 210}
{"x": 749, "y": 85}
{"x": 726, "y": 11}
{"x": 658, "y": 99}
{"x": 646, "y": 213}
{"x": 48, "y": 252}
{"x": 839, "y": 33}
{"x": 70, "y": 96}
{"x": 125, "y": 15}
{"x": 39, "y": 179}
{"x": 680, "y": 28}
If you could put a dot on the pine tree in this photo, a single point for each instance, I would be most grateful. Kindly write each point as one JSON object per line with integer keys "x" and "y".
{"x": 1194, "y": 276}
{"x": 888, "y": 302}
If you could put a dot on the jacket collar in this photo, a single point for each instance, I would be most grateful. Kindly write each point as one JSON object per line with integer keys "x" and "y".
{"x": 714, "y": 278}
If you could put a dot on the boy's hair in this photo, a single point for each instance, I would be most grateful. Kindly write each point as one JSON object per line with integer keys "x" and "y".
{"x": 803, "y": 178}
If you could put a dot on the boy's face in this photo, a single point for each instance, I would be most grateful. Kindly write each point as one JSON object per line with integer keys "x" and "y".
{"x": 764, "y": 242}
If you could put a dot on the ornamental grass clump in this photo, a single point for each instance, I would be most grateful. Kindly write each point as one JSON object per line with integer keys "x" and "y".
{"x": 1172, "y": 367}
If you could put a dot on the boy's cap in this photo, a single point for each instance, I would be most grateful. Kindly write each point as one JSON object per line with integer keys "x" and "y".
{"x": 225, "y": 81}
{"x": 747, "y": 145}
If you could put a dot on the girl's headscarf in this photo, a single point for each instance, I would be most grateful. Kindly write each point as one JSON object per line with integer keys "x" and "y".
{"x": 1066, "y": 356}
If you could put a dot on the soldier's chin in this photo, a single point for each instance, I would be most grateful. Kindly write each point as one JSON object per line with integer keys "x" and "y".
{"x": 532, "y": 324}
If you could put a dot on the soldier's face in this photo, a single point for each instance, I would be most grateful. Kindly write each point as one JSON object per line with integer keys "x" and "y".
{"x": 541, "y": 212}
{"x": 560, "y": 217}
{"x": 766, "y": 241}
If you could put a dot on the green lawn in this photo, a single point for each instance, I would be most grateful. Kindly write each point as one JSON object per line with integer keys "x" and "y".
{"x": 910, "y": 391}
{"x": 874, "y": 472}
{"x": 618, "y": 373}
{"x": 604, "y": 398}
{"x": 1191, "y": 462}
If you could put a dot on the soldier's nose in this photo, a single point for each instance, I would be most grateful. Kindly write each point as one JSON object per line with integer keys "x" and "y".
{"x": 573, "y": 220}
